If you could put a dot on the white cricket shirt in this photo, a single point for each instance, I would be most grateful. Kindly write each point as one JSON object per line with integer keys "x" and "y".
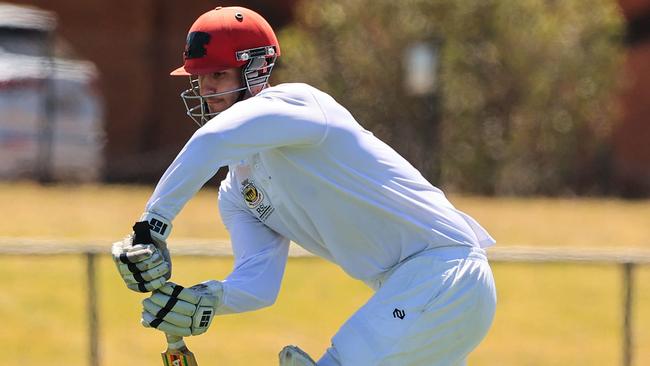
{"x": 302, "y": 169}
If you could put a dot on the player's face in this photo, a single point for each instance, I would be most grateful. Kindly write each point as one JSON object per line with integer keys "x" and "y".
{"x": 220, "y": 82}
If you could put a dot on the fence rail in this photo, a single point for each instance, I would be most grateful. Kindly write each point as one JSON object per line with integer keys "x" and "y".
{"x": 628, "y": 259}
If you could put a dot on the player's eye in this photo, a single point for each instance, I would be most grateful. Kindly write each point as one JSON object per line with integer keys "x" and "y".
{"x": 218, "y": 74}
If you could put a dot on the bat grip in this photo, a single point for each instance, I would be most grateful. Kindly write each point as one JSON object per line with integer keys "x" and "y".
{"x": 175, "y": 342}
{"x": 141, "y": 232}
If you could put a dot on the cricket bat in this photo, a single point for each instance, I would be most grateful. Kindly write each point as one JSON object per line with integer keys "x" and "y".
{"x": 177, "y": 353}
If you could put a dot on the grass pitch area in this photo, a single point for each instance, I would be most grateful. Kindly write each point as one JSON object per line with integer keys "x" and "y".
{"x": 548, "y": 314}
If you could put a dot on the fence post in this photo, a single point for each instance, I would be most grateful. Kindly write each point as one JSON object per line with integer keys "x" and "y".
{"x": 93, "y": 322}
{"x": 628, "y": 287}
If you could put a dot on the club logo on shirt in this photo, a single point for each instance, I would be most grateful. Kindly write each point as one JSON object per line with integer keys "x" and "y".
{"x": 252, "y": 195}
{"x": 256, "y": 200}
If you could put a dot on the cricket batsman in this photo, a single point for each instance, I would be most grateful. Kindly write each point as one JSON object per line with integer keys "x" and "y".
{"x": 302, "y": 169}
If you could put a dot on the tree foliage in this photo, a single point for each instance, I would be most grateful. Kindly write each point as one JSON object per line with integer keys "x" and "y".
{"x": 524, "y": 102}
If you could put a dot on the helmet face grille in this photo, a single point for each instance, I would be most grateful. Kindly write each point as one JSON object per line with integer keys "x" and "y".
{"x": 255, "y": 73}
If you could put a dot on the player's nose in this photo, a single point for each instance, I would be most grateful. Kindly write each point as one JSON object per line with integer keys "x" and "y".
{"x": 207, "y": 89}
{"x": 207, "y": 86}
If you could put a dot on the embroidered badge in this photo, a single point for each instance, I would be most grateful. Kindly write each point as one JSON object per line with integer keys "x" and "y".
{"x": 252, "y": 195}
{"x": 256, "y": 200}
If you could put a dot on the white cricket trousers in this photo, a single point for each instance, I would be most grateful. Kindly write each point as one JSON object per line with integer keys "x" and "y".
{"x": 432, "y": 310}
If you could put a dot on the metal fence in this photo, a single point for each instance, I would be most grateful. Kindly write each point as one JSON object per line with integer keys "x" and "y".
{"x": 627, "y": 259}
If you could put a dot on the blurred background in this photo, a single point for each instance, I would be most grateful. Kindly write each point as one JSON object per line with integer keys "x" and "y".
{"x": 533, "y": 115}
{"x": 489, "y": 97}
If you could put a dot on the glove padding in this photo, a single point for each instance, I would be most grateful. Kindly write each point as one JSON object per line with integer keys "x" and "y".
{"x": 143, "y": 262}
{"x": 294, "y": 356}
{"x": 181, "y": 311}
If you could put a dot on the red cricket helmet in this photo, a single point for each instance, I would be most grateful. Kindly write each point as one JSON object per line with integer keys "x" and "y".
{"x": 226, "y": 37}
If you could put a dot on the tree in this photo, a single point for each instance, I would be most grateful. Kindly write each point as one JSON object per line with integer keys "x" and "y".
{"x": 524, "y": 102}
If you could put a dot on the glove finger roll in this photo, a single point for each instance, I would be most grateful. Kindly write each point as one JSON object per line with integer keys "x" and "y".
{"x": 144, "y": 265}
{"x": 156, "y": 272}
{"x": 185, "y": 295}
{"x": 179, "y": 306}
{"x": 147, "y": 286}
{"x": 146, "y": 276}
{"x": 137, "y": 253}
{"x": 168, "y": 289}
{"x": 140, "y": 287}
{"x": 171, "y": 317}
{"x": 149, "y": 321}
{"x": 133, "y": 278}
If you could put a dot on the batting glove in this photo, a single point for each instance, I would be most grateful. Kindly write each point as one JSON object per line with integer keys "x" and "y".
{"x": 294, "y": 356}
{"x": 142, "y": 258}
{"x": 181, "y": 311}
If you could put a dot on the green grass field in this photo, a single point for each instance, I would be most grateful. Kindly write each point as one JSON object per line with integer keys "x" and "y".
{"x": 548, "y": 314}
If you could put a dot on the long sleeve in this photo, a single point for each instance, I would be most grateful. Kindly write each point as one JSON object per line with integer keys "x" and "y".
{"x": 260, "y": 258}
{"x": 270, "y": 120}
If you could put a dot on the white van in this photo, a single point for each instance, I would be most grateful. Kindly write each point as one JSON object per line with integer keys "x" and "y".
{"x": 51, "y": 112}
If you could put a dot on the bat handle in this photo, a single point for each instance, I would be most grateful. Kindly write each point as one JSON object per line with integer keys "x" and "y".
{"x": 175, "y": 342}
